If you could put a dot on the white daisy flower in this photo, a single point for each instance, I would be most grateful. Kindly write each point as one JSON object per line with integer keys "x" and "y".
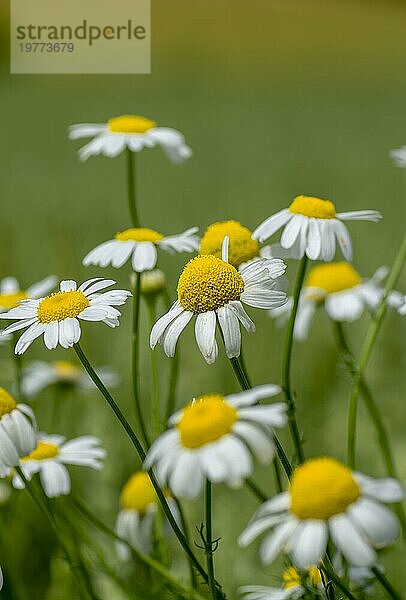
{"x": 49, "y": 457}
{"x": 210, "y": 288}
{"x": 213, "y": 438}
{"x": 56, "y": 316}
{"x": 136, "y": 519}
{"x": 337, "y": 287}
{"x": 132, "y": 132}
{"x": 312, "y": 227}
{"x": 11, "y": 294}
{"x": 39, "y": 375}
{"x": 140, "y": 243}
{"x": 292, "y": 586}
{"x": 326, "y": 500}
{"x": 17, "y": 431}
{"x": 399, "y": 156}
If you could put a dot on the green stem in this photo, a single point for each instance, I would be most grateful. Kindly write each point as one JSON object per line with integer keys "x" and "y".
{"x": 258, "y": 493}
{"x": 17, "y": 360}
{"x": 141, "y": 453}
{"x": 209, "y": 543}
{"x": 131, "y": 187}
{"x": 392, "y": 593}
{"x": 174, "y": 371}
{"x": 366, "y": 351}
{"x": 185, "y": 530}
{"x": 337, "y": 580}
{"x": 287, "y": 359}
{"x": 245, "y": 384}
{"x": 156, "y": 417}
{"x": 135, "y": 357}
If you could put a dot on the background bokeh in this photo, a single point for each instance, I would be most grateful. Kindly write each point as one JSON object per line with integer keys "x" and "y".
{"x": 277, "y": 98}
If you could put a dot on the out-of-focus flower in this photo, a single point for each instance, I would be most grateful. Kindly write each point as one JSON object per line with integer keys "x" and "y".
{"x": 56, "y": 316}
{"x": 312, "y": 227}
{"x": 38, "y": 375}
{"x": 51, "y": 454}
{"x": 140, "y": 243}
{"x": 293, "y": 586}
{"x": 242, "y": 246}
{"x": 136, "y": 519}
{"x": 11, "y": 293}
{"x": 210, "y": 289}
{"x": 326, "y": 500}
{"x": 213, "y": 438}
{"x": 399, "y": 156}
{"x": 17, "y": 431}
{"x": 153, "y": 282}
{"x": 132, "y": 132}
{"x": 337, "y": 287}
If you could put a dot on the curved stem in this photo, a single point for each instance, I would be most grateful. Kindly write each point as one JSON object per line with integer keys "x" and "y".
{"x": 209, "y": 543}
{"x": 366, "y": 351}
{"x": 135, "y": 357}
{"x": 253, "y": 487}
{"x": 141, "y": 453}
{"x": 131, "y": 187}
{"x": 287, "y": 359}
{"x": 392, "y": 593}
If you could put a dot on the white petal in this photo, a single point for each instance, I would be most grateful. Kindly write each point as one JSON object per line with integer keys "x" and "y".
{"x": 144, "y": 257}
{"x": 350, "y": 542}
{"x": 205, "y": 332}
{"x": 55, "y": 479}
{"x": 231, "y": 331}
{"x": 68, "y": 285}
{"x": 308, "y": 545}
{"x": 242, "y": 316}
{"x": 384, "y": 490}
{"x": 186, "y": 479}
{"x": 328, "y": 245}
{"x": 377, "y": 522}
{"x": 360, "y": 215}
{"x": 343, "y": 239}
{"x": 271, "y": 225}
{"x": 344, "y": 306}
{"x": 273, "y": 415}
{"x": 259, "y": 443}
{"x": 51, "y": 335}
{"x": 252, "y": 396}
{"x": 163, "y": 322}
{"x": 37, "y": 290}
{"x": 182, "y": 242}
{"x": 173, "y": 331}
{"x": 276, "y": 542}
{"x": 292, "y": 231}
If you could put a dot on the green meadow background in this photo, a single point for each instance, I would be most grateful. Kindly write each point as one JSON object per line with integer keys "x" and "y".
{"x": 276, "y": 98}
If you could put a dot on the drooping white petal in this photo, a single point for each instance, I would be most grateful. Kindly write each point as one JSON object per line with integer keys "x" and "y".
{"x": 237, "y": 307}
{"x": 163, "y": 322}
{"x": 343, "y": 239}
{"x": 144, "y": 257}
{"x": 182, "y": 242}
{"x": 173, "y": 331}
{"x": 273, "y": 415}
{"x": 272, "y": 224}
{"x": 344, "y": 306}
{"x": 260, "y": 444}
{"x": 313, "y": 240}
{"x": 377, "y": 522}
{"x": 350, "y": 542}
{"x": 252, "y": 396}
{"x": 308, "y": 544}
{"x": 55, "y": 479}
{"x": 51, "y": 335}
{"x": 276, "y": 541}
{"x": 205, "y": 332}
{"x": 384, "y": 490}
{"x": 328, "y": 245}
{"x": 292, "y": 230}
{"x": 231, "y": 331}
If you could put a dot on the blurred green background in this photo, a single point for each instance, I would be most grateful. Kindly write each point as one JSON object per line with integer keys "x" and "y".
{"x": 276, "y": 98}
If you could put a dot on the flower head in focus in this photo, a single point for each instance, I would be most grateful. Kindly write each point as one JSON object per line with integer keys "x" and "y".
{"x": 213, "y": 438}
{"x": 140, "y": 243}
{"x": 17, "y": 431}
{"x": 327, "y": 501}
{"x": 211, "y": 289}
{"x": 132, "y": 132}
{"x": 56, "y": 317}
{"x": 312, "y": 227}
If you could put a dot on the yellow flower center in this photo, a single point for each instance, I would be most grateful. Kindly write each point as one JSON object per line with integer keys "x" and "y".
{"x": 208, "y": 283}
{"x": 11, "y": 300}
{"x": 291, "y": 577}
{"x": 313, "y": 207}
{"x": 130, "y": 124}
{"x": 241, "y": 248}
{"x": 43, "y": 451}
{"x": 139, "y": 234}
{"x": 66, "y": 370}
{"x": 205, "y": 420}
{"x": 333, "y": 277}
{"x": 7, "y": 402}
{"x": 321, "y": 488}
{"x": 138, "y": 493}
{"x": 62, "y": 305}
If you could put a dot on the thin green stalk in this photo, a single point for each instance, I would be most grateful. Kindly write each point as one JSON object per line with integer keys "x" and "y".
{"x": 131, "y": 187}
{"x": 185, "y": 530}
{"x": 18, "y": 365}
{"x": 287, "y": 359}
{"x": 366, "y": 351}
{"x": 258, "y": 493}
{"x": 245, "y": 384}
{"x": 331, "y": 574}
{"x": 209, "y": 543}
{"x": 174, "y": 371}
{"x": 141, "y": 453}
{"x": 387, "y": 586}
{"x": 136, "y": 358}
{"x": 156, "y": 417}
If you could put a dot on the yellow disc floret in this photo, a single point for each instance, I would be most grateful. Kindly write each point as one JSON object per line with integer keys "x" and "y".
{"x": 66, "y": 370}
{"x": 62, "y": 305}
{"x": 321, "y": 488}
{"x": 138, "y": 493}
{"x": 241, "y": 247}
{"x": 333, "y": 277}
{"x": 8, "y": 301}
{"x": 205, "y": 420}
{"x": 43, "y": 451}
{"x": 208, "y": 283}
{"x": 7, "y": 402}
{"x": 130, "y": 124}
{"x": 292, "y": 577}
{"x": 313, "y": 207}
{"x": 139, "y": 234}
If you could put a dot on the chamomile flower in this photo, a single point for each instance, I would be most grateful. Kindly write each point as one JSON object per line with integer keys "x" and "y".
{"x": 326, "y": 500}
{"x": 399, "y": 156}
{"x": 39, "y": 375}
{"x": 295, "y": 585}
{"x": 11, "y": 294}
{"x": 213, "y": 438}
{"x": 132, "y": 132}
{"x": 211, "y": 289}
{"x": 136, "y": 519}
{"x": 312, "y": 227}
{"x": 57, "y": 316}
{"x": 140, "y": 243}
{"x": 17, "y": 431}
{"x": 242, "y": 246}
{"x": 338, "y": 287}
{"x": 49, "y": 457}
